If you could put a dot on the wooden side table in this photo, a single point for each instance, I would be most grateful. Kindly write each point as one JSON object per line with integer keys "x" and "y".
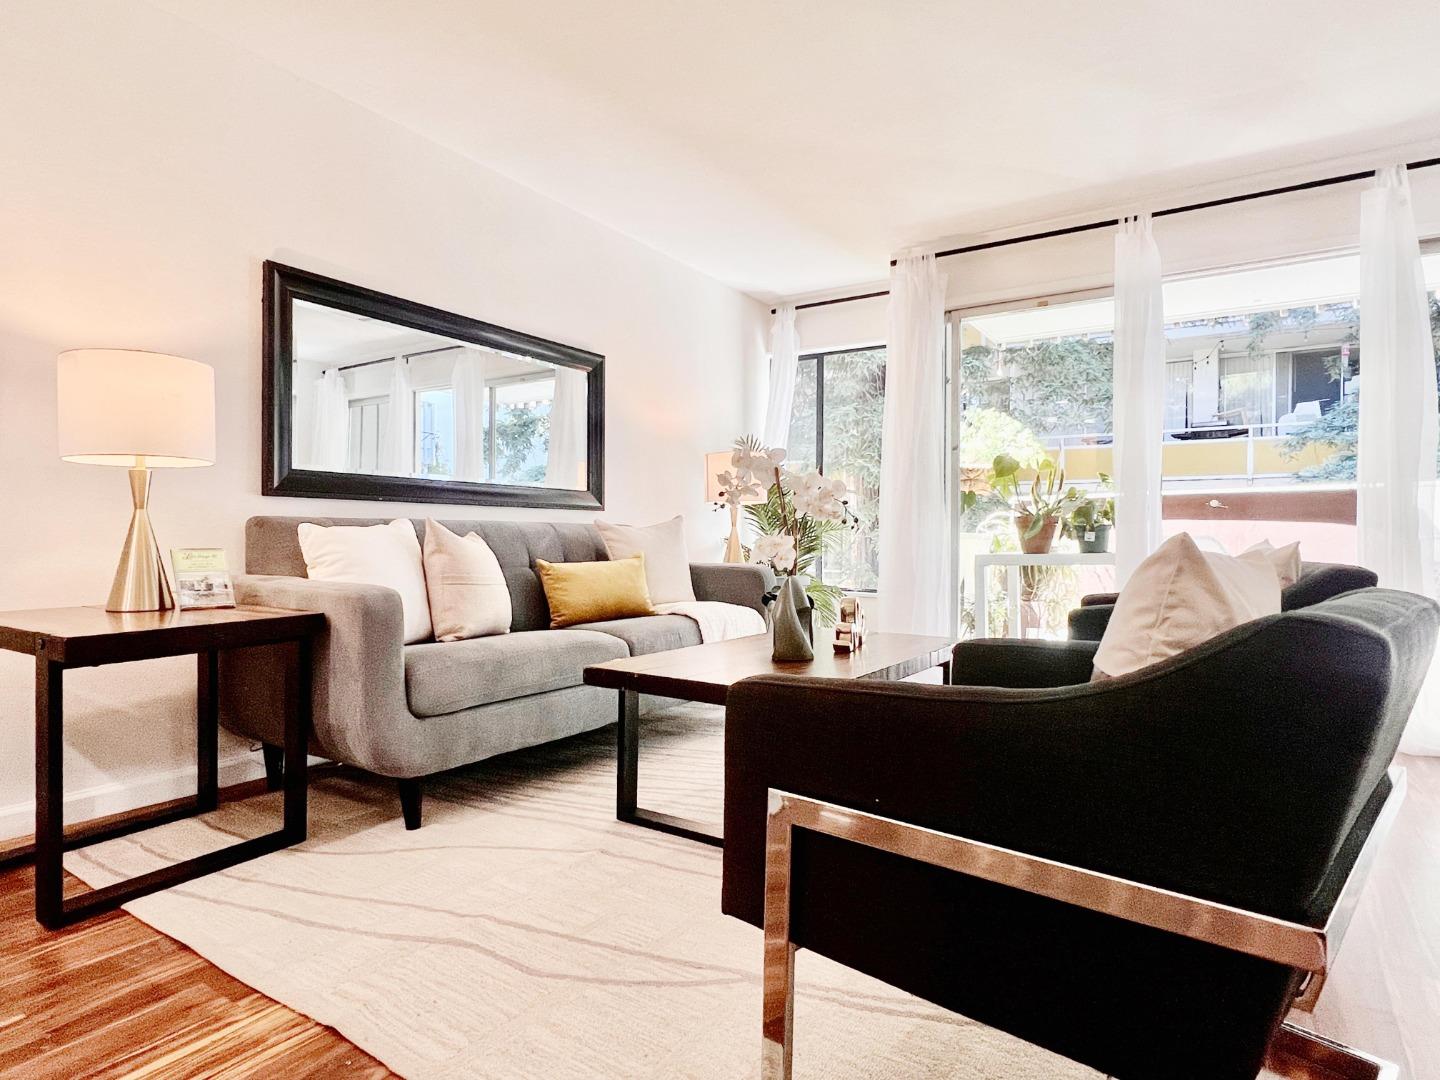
{"x": 61, "y": 638}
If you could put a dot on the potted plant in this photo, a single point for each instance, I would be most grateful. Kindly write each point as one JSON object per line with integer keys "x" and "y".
{"x": 1040, "y": 507}
{"x": 802, "y": 514}
{"x": 1091, "y": 521}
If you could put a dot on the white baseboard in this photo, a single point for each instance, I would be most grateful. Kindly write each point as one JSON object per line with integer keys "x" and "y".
{"x": 18, "y": 819}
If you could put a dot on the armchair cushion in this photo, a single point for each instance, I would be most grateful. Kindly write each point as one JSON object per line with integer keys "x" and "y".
{"x": 1180, "y": 596}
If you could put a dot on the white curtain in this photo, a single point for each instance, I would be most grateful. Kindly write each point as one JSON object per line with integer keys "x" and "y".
{"x": 468, "y": 379}
{"x": 565, "y": 464}
{"x": 784, "y": 365}
{"x": 1398, "y": 417}
{"x": 397, "y": 440}
{"x": 1139, "y": 376}
{"x": 915, "y": 573}
{"x": 330, "y": 435}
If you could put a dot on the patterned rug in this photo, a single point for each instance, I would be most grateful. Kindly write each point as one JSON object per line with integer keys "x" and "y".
{"x": 523, "y": 933}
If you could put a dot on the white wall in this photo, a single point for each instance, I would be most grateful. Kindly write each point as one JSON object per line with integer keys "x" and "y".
{"x": 146, "y": 171}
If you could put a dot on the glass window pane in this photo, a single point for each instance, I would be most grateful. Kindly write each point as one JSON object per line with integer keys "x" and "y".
{"x": 800, "y": 450}
{"x": 435, "y": 433}
{"x": 1035, "y": 384}
{"x": 1267, "y": 450}
{"x": 854, "y": 389}
{"x": 522, "y": 430}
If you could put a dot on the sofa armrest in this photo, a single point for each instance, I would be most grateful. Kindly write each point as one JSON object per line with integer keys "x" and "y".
{"x": 732, "y": 583}
{"x": 1016, "y": 663}
{"x": 359, "y": 674}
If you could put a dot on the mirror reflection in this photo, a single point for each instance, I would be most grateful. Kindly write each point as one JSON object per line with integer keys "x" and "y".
{"x": 372, "y": 397}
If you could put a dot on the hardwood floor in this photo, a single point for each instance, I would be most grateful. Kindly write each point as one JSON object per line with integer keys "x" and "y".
{"x": 113, "y": 998}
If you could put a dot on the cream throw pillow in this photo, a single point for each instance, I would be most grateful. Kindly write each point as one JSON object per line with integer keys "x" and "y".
{"x": 1181, "y": 597}
{"x": 468, "y": 595}
{"x": 1285, "y": 560}
{"x": 387, "y": 555}
{"x": 667, "y": 565}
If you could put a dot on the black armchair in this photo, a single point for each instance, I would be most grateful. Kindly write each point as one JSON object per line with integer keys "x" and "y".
{"x": 1318, "y": 581}
{"x": 1248, "y": 773}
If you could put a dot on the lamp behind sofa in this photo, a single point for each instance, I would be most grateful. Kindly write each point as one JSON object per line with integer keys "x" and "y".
{"x": 407, "y": 711}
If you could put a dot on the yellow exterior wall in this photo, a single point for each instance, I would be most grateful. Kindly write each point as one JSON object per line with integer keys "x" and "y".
{"x": 1199, "y": 457}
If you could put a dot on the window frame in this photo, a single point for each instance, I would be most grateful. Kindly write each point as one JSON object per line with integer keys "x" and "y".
{"x": 819, "y": 358}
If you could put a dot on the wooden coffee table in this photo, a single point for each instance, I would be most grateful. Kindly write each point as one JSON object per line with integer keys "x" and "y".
{"x": 706, "y": 673}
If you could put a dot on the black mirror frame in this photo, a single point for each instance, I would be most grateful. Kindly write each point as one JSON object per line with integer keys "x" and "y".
{"x": 284, "y": 284}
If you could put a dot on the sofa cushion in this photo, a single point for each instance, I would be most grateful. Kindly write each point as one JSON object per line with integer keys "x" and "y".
{"x": 649, "y": 633}
{"x": 271, "y": 547}
{"x": 447, "y": 676}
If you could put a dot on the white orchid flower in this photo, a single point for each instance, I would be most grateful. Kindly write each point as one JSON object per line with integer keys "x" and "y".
{"x": 734, "y": 490}
{"x": 776, "y": 551}
{"x": 759, "y": 465}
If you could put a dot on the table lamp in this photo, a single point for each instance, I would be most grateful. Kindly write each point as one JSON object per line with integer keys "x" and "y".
{"x": 715, "y": 464}
{"x": 141, "y": 410}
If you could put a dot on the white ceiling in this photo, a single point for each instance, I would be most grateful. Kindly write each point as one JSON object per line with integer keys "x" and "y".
{"x": 790, "y": 147}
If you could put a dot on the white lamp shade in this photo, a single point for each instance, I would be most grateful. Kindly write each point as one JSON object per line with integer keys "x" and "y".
{"x": 136, "y": 409}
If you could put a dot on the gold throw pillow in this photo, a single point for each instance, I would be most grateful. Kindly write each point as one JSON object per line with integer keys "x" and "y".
{"x": 582, "y": 592}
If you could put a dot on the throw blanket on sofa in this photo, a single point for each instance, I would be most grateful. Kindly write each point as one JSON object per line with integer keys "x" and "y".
{"x": 717, "y": 621}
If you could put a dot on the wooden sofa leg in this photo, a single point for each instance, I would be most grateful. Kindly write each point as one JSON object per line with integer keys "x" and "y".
{"x": 274, "y": 766}
{"x": 410, "y": 802}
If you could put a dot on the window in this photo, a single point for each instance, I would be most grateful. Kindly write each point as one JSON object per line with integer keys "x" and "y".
{"x": 518, "y": 430}
{"x": 368, "y": 417}
{"x": 835, "y": 427}
{"x": 435, "y": 433}
{"x": 1033, "y": 383}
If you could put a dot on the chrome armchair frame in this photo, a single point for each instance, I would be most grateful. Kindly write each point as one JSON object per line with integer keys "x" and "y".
{"x": 1294, "y": 1052}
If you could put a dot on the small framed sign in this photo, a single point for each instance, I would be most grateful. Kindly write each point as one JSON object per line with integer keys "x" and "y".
{"x": 201, "y": 578}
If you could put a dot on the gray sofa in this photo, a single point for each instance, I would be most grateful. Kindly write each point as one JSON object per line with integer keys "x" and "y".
{"x": 407, "y": 711}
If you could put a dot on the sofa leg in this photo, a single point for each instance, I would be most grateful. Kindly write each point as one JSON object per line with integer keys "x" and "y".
{"x": 410, "y": 802}
{"x": 274, "y": 766}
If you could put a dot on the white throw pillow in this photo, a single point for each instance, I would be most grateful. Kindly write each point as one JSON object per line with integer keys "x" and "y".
{"x": 1181, "y": 597}
{"x": 667, "y": 565}
{"x": 387, "y": 555}
{"x": 468, "y": 595}
{"x": 1285, "y": 560}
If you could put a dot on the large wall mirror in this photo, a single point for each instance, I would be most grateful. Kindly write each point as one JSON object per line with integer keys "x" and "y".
{"x": 368, "y": 396}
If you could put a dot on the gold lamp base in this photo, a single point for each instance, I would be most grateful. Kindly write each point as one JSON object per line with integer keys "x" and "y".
{"x": 733, "y": 551}
{"x": 141, "y": 583}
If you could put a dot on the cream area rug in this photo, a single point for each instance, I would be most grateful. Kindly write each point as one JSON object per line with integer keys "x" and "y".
{"x": 524, "y": 934}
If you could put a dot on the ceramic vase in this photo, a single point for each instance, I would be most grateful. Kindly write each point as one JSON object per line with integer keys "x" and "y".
{"x": 789, "y": 629}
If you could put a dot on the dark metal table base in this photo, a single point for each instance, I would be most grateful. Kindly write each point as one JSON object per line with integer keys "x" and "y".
{"x": 55, "y": 910}
{"x": 628, "y": 774}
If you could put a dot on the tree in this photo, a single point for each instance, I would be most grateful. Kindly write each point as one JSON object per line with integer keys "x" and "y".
{"x": 1061, "y": 386}
{"x": 520, "y": 433}
{"x": 1339, "y": 429}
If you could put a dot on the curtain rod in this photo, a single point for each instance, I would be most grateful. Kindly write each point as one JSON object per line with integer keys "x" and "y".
{"x": 1050, "y": 234}
{"x": 391, "y": 359}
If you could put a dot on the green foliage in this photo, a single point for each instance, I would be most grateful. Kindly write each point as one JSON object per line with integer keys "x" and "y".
{"x": 1339, "y": 429}
{"x": 519, "y": 432}
{"x": 987, "y": 433}
{"x": 772, "y": 518}
{"x": 854, "y": 417}
{"x": 1047, "y": 386}
{"x": 1088, "y": 511}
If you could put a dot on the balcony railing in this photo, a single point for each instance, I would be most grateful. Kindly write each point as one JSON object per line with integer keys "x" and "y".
{"x": 1198, "y": 454}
